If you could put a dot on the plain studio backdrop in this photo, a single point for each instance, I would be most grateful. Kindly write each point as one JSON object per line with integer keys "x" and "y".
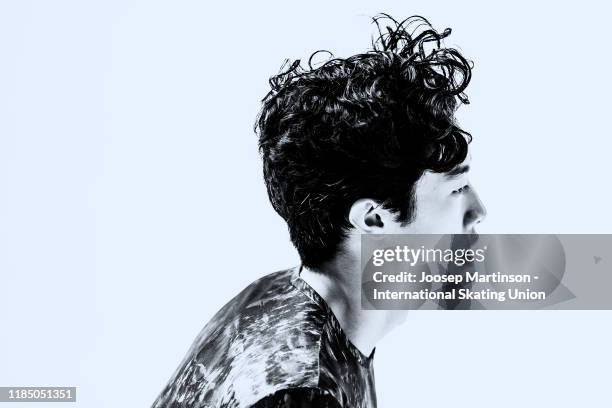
{"x": 132, "y": 205}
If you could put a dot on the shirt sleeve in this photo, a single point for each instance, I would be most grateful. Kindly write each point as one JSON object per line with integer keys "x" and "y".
{"x": 298, "y": 398}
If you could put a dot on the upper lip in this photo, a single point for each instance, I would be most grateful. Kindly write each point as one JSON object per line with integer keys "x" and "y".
{"x": 473, "y": 238}
{"x": 467, "y": 239}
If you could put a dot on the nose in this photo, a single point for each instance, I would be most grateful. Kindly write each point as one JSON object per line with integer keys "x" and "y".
{"x": 475, "y": 211}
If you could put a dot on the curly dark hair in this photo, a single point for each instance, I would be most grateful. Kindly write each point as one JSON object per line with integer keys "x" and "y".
{"x": 366, "y": 126}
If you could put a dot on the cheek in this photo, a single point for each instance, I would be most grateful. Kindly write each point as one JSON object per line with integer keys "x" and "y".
{"x": 442, "y": 216}
{"x": 436, "y": 211}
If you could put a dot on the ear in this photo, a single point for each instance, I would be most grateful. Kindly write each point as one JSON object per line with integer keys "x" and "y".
{"x": 367, "y": 215}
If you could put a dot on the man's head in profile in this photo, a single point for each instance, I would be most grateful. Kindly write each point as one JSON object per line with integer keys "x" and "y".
{"x": 370, "y": 144}
{"x": 365, "y": 144}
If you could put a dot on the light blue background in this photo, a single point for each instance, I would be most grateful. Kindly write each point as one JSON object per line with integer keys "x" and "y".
{"x": 132, "y": 205}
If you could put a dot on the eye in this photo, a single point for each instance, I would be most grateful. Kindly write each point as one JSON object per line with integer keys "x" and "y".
{"x": 460, "y": 190}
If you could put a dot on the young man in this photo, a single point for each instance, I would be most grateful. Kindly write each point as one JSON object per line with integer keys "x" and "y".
{"x": 366, "y": 144}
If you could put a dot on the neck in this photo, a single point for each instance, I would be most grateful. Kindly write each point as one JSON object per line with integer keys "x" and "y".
{"x": 338, "y": 282}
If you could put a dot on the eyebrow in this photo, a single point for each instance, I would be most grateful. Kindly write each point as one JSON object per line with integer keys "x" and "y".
{"x": 457, "y": 171}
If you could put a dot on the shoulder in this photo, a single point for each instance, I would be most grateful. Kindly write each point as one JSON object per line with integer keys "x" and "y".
{"x": 263, "y": 342}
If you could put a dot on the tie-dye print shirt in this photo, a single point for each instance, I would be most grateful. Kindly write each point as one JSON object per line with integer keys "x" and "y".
{"x": 276, "y": 344}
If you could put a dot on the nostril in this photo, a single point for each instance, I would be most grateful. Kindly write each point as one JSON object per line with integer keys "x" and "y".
{"x": 470, "y": 217}
{"x": 474, "y": 216}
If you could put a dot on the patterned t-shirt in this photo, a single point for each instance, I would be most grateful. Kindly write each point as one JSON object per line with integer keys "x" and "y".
{"x": 276, "y": 344}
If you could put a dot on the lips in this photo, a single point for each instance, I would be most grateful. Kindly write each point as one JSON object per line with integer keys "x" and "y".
{"x": 464, "y": 241}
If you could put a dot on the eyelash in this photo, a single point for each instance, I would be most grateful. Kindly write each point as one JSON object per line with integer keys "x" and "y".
{"x": 461, "y": 190}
